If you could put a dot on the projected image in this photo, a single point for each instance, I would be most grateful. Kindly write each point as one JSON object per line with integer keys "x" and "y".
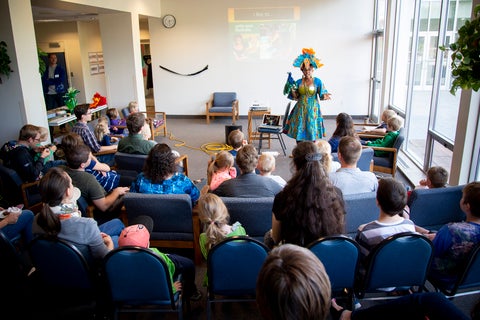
{"x": 262, "y": 33}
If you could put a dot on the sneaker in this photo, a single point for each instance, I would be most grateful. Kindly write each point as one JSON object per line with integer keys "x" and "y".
{"x": 196, "y": 296}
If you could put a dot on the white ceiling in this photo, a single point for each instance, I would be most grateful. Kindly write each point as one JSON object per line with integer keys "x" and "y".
{"x": 52, "y": 10}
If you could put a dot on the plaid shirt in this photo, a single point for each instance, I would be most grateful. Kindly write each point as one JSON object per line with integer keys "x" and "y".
{"x": 87, "y": 135}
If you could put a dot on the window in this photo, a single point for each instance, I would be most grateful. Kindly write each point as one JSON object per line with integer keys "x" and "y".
{"x": 422, "y": 77}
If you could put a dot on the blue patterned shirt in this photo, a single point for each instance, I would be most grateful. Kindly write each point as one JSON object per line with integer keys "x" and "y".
{"x": 177, "y": 184}
{"x": 452, "y": 244}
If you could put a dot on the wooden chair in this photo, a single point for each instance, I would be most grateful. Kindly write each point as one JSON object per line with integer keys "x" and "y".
{"x": 157, "y": 120}
{"x": 15, "y": 191}
{"x": 222, "y": 104}
{"x": 388, "y": 164}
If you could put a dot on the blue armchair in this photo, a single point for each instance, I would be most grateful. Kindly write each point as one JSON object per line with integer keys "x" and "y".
{"x": 222, "y": 104}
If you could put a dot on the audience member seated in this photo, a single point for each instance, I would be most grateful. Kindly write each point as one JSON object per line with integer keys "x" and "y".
{"x": 215, "y": 219}
{"x": 391, "y": 199}
{"x": 266, "y": 165}
{"x": 236, "y": 140}
{"x": 219, "y": 169}
{"x": 454, "y": 241}
{"x": 15, "y": 223}
{"x": 20, "y": 155}
{"x": 393, "y": 125}
{"x": 309, "y": 206}
{"x": 115, "y": 122}
{"x": 108, "y": 205}
{"x": 437, "y": 177}
{"x": 381, "y": 129}
{"x": 349, "y": 178}
{"x": 425, "y": 305}
{"x": 135, "y": 142}
{"x": 160, "y": 175}
{"x": 84, "y": 115}
{"x": 49, "y": 161}
{"x": 344, "y": 128}
{"x": 138, "y": 235}
{"x": 327, "y": 159}
{"x": 107, "y": 178}
{"x": 248, "y": 184}
{"x": 293, "y": 284}
{"x": 60, "y": 217}
{"x": 102, "y": 133}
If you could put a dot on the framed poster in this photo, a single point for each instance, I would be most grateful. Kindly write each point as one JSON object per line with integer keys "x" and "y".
{"x": 95, "y": 59}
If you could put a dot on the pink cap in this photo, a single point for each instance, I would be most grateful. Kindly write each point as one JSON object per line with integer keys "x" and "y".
{"x": 134, "y": 235}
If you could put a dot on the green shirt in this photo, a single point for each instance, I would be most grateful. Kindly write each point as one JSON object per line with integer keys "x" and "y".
{"x": 135, "y": 144}
{"x": 386, "y": 141}
{"x": 237, "y": 230}
{"x": 170, "y": 265}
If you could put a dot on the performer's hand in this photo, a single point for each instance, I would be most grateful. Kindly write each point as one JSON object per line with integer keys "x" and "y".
{"x": 327, "y": 96}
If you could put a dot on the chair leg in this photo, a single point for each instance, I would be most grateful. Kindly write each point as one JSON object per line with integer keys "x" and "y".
{"x": 260, "y": 138}
{"x": 282, "y": 144}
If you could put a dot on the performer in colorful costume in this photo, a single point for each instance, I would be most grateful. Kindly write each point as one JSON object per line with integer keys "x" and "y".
{"x": 305, "y": 122}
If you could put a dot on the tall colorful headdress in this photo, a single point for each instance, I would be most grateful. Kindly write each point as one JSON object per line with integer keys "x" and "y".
{"x": 307, "y": 58}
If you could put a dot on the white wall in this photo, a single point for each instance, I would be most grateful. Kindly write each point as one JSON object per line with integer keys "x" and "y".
{"x": 90, "y": 41}
{"x": 333, "y": 28}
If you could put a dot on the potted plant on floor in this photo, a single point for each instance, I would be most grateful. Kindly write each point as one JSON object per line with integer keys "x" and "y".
{"x": 466, "y": 55}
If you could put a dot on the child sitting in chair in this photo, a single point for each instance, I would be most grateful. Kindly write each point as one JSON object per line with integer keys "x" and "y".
{"x": 393, "y": 125}
{"x": 102, "y": 133}
{"x": 115, "y": 121}
{"x": 266, "y": 165}
{"x": 139, "y": 235}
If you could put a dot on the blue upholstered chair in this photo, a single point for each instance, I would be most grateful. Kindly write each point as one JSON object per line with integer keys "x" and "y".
{"x": 400, "y": 261}
{"x": 255, "y": 214}
{"x": 361, "y": 208}
{"x": 468, "y": 281}
{"x": 136, "y": 278}
{"x": 16, "y": 191}
{"x": 365, "y": 162}
{"x": 388, "y": 164}
{"x": 68, "y": 286}
{"x": 433, "y": 208}
{"x": 233, "y": 266}
{"x": 222, "y": 104}
{"x": 175, "y": 225}
{"x": 340, "y": 256}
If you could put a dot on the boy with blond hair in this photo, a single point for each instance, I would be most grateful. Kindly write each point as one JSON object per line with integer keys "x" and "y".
{"x": 393, "y": 126}
{"x": 266, "y": 165}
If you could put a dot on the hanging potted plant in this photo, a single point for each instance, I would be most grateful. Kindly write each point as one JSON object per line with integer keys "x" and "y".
{"x": 4, "y": 61}
{"x": 71, "y": 98}
{"x": 466, "y": 55}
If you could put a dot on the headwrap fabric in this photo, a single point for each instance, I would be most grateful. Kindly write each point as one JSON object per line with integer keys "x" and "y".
{"x": 307, "y": 58}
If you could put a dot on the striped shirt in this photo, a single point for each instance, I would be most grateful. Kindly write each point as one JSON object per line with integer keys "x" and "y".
{"x": 372, "y": 233}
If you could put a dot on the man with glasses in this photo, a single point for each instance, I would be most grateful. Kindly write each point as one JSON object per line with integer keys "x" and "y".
{"x": 84, "y": 115}
{"x": 19, "y": 155}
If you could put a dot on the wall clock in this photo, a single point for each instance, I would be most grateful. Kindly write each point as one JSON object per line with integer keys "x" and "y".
{"x": 169, "y": 21}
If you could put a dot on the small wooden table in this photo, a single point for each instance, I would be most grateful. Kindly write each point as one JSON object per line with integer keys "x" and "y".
{"x": 253, "y": 134}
